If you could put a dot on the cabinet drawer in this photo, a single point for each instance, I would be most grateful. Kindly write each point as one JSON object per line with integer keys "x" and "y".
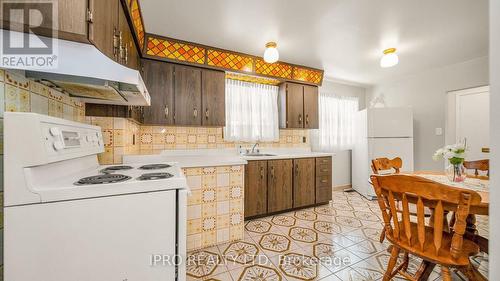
{"x": 323, "y": 194}
{"x": 324, "y": 160}
{"x": 323, "y": 169}
{"x": 324, "y": 181}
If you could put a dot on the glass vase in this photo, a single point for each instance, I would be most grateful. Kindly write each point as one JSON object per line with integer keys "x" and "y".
{"x": 456, "y": 172}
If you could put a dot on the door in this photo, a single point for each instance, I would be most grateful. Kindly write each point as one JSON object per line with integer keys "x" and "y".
{"x": 279, "y": 187}
{"x": 294, "y": 105}
{"x": 473, "y": 121}
{"x": 213, "y": 97}
{"x": 393, "y": 122}
{"x": 187, "y": 95}
{"x": 158, "y": 77}
{"x": 104, "y": 26}
{"x": 255, "y": 188}
{"x": 304, "y": 182}
{"x": 311, "y": 107}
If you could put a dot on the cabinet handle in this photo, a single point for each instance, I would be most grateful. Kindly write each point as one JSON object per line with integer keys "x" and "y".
{"x": 272, "y": 172}
{"x": 261, "y": 172}
{"x": 297, "y": 170}
{"x": 195, "y": 113}
{"x": 115, "y": 43}
{"x": 90, "y": 16}
{"x": 324, "y": 170}
{"x": 300, "y": 118}
{"x": 166, "y": 111}
{"x": 126, "y": 55}
{"x": 207, "y": 113}
{"x": 307, "y": 119}
{"x": 324, "y": 181}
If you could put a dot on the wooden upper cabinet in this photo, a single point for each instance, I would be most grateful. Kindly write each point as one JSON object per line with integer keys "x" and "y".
{"x": 103, "y": 26}
{"x": 255, "y": 188}
{"x": 298, "y": 106}
{"x": 294, "y": 109}
{"x": 279, "y": 186}
{"x": 311, "y": 115}
{"x": 159, "y": 79}
{"x": 304, "y": 182}
{"x": 71, "y": 17}
{"x": 187, "y": 88}
{"x": 213, "y": 98}
{"x": 127, "y": 50}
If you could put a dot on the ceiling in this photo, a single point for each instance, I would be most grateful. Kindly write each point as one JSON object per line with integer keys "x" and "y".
{"x": 344, "y": 37}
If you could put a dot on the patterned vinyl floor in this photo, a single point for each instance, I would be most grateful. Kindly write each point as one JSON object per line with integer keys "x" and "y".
{"x": 339, "y": 241}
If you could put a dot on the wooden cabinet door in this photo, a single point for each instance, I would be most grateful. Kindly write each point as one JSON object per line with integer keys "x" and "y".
{"x": 127, "y": 54}
{"x": 279, "y": 187}
{"x": 255, "y": 188}
{"x": 71, "y": 20}
{"x": 158, "y": 77}
{"x": 214, "y": 97}
{"x": 187, "y": 95}
{"x": 104, "y": 26}
{"x": 311, "y": 107}
{"x": 303, "y": 182}
{"x": 294, "y": 105}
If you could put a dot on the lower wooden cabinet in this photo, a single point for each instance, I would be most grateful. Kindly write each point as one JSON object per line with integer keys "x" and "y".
{"x": 323, "y": 180}
{"x": 279, "y": 185}
{"x": 255, "y": 188}
{"x": 273, "y": 186}
{"x": 303, "y": 182}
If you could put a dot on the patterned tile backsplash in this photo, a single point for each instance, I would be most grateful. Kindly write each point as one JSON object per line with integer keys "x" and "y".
{"x": 215, "y": 206}
{"x": 137, "y": 139}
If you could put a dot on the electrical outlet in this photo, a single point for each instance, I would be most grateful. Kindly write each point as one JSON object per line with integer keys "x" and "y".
{"x": 304, "y": 140}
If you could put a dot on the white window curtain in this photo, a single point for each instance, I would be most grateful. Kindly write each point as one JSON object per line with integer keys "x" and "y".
{"x": 251, "y": 111}
{"x": 336, "y": 121}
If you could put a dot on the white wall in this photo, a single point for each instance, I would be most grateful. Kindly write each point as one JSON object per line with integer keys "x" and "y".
{"x": 342, "y": 159}
{"x": 426, "y": 92}
{"x": 494, "y": 247}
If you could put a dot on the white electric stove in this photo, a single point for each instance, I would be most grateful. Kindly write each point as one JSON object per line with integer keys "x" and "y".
{"x": 69, "y": 218}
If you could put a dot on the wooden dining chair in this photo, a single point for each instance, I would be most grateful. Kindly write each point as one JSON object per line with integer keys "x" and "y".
{"x": 478, "y": 165}
{"x": 427, "y": 241}
{"x": 386, "y": 164}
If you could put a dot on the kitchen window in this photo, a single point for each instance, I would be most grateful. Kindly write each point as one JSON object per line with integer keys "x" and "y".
{"x": 251, "y": 111}
{"x": 336, "y": 121}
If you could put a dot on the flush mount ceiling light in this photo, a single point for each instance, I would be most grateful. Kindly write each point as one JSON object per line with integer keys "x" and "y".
{"x": 271, "y": 54}
{"x": 390, "y": 58}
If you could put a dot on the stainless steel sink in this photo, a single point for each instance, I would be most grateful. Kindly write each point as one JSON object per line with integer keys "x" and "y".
{"x": 258, "y": 154}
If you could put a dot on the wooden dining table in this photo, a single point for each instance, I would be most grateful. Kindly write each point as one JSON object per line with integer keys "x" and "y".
{"x": 480, "y": 184}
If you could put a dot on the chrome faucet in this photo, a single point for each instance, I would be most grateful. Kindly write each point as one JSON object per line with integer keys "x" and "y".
{"x": 253, "y": 148}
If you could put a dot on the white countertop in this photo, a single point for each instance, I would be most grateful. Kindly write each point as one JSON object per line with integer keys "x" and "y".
{"x": 220, "y": 157}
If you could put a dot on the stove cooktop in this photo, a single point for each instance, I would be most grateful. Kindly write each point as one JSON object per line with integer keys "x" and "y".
{"x": 102, "y": 179}
{"x": 112, "y": 169}
{"x": 154, "y": 176}
{"x": 154, "y": 166}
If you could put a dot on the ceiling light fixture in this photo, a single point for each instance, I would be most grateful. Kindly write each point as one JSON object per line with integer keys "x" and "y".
{"x": 271, "y": 54}
{"x": 390, "y": 58}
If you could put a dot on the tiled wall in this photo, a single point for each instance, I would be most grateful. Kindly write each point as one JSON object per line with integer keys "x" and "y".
{"x": 154, "y": 139}
{"x": 215, "y": 206}
{"x": 20, "y": 94}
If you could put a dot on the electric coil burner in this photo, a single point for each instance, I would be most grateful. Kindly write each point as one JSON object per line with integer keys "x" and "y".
{"x": 112, "y": 169}
{"x": 101, "y": 179}
{"x": 154, "y": 176}
{"x": 154, "y": 166}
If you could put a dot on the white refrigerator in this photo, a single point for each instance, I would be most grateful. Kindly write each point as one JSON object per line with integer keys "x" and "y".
{"x": 380, "y": 132}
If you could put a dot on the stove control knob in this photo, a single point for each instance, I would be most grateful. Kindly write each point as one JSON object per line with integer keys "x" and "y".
{"x": 58, "y": 145}
{"x": 55, "y": 131}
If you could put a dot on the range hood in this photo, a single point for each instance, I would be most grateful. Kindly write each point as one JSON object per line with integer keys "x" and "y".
{"x": 83, "y": 71}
